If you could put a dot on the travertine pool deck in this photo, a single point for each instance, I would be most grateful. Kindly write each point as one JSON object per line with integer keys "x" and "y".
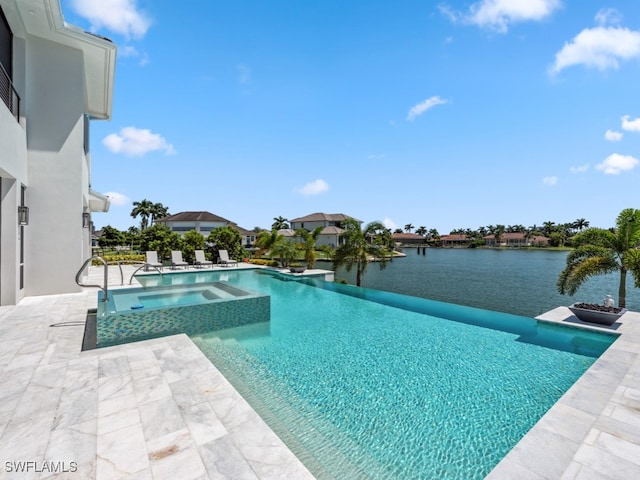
{"x": 159, "y": 409}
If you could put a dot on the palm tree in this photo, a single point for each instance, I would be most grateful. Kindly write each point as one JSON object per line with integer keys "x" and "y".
{"x": 408, "y": 227}
{"x": 285, "y": 249}
{"x": 143, "y": 209}
{"x": 158, "y": 211}
{"x": 266, "y": 240}
{"x": 599, "y": 252}
{"x": 581, "y": 224}
{"x": 280, "y": 223}
{"x": 548, "y": 228}
{"x": 309, "y": 244}
{"x": 422, "y": 231}
{"x": 359, "y": 247}
{"x": 498, "y": 233}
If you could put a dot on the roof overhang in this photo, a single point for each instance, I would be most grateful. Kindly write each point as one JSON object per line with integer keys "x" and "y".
{"x": 43, "y": 19}
{"x": 98, "y": 202}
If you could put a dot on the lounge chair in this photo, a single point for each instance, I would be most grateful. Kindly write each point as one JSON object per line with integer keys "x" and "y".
{"x": 177, "y": 261}
{"x": 201, "y": 261}
{"x": 224, "y": 260}
{"x": 152, "y": 260}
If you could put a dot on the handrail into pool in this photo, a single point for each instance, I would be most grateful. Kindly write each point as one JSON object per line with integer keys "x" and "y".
{"x": 144, "y": 265}
{"x": 105, "y": 288}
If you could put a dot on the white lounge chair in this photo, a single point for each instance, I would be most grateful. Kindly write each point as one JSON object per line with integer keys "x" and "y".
{"x": 201, "y": 261}
{"x": 224, "y": 260}
{"x": 177, "y": 261}
{"x": 152, "y": 259}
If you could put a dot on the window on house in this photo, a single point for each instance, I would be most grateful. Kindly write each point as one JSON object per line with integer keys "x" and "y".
{"x": 7, "y": 92}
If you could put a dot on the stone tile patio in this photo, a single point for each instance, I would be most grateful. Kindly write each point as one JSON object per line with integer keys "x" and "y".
{"x": 159, "y": 409}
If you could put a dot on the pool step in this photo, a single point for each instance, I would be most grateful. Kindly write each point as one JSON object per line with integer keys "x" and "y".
{"x": 228, "y": 355}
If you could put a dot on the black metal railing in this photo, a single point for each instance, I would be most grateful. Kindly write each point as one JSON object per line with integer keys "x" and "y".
{"x": 8, "y": 93}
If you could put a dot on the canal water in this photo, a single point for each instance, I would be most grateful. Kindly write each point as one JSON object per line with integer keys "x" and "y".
{"x": 522, "y": 282}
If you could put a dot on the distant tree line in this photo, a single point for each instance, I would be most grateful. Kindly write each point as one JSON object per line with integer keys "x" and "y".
{"x": 559, "y": 234}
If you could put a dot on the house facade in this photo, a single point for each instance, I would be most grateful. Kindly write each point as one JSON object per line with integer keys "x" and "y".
{"x": 455, "y": 240}
{"x": 203, "y": 223}
{"x": 330, "y": 223}
{"x": 516, "y": 239}
{"x": 407, "y": 239}
{"x": 54, "y": 79}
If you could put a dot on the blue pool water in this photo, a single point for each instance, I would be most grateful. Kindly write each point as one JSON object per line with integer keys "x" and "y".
{"x": 367, "y": 384}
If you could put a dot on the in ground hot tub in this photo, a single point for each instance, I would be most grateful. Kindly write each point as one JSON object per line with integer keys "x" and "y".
{"x": 136, "y": 314}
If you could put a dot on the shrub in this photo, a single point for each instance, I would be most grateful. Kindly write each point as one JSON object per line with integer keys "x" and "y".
{"x": 265, "y": 262}
{"x": 123, "y": 259}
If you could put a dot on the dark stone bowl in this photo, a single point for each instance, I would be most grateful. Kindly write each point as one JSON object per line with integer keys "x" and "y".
{"x": 596, "y": 316}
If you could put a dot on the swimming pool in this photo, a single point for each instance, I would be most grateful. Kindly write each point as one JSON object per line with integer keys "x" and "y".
{"x": 366, "y": 384}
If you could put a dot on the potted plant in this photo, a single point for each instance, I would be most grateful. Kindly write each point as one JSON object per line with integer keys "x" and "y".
{"x": 600, "y": 314}
{"x": 297, "y": 268}
{"x": 600, "y": 252}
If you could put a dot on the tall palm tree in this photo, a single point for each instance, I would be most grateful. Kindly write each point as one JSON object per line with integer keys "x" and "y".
{"x": 280, "y": 223}
{"x": 581, "y": 224}
{"x": 158, "y": 211}
{"x": 408, "y": 227}
{"x": 599, "y": 252}
{"x": 422, "y": 231}
{"x": 143, "y": 209}
{"x": 360, "y": 246}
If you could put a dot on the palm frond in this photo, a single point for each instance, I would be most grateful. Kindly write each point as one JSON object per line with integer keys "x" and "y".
{"x": 578, "y": 272}
{"x": 632, "y": 262}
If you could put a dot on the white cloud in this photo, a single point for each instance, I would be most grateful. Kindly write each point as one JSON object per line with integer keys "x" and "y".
{"x": 599, "y": 47}
{"x": 137, "y": 142}
{"x": 499, "y": 14}
{"x": 390, "y": 224}
{"x": 550, "y": 181}
{"x": 615, "y": 164}
{"x": 420, "y": 108}
{"x": 580, "y": 169}
{"x": 128, "y": 51}
{"x": 119, "y": 16}
{"x": 117, "y": 199}
{"x": 314, "y": 188}
{"x": 612, "y": 136}
{"x": 133, "y": 52}
{"x": 608, "y": 16}
{"x": 630, "y": 125}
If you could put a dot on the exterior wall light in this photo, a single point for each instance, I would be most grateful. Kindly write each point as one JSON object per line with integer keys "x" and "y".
{"x": 86, "y": 220}
{"x": 23, "y": 215}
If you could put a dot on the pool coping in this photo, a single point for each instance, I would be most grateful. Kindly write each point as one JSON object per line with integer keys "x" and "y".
{"x": 159, "y": 408}
{"x": 593, "y": 430}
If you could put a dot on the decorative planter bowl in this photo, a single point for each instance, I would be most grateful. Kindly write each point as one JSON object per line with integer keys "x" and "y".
{"x": 297, "y": 269}
{"x": 596, "y": 316}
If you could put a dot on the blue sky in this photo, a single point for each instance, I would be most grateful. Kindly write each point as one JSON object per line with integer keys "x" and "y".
{"x": 446, "y": 115}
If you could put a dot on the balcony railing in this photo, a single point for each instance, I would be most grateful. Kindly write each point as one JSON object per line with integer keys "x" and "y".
{"x": 8, "y": 93}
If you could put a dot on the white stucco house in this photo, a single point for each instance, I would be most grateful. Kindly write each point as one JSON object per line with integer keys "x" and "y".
{"x": 203, "y": 223}
{"x": 331, "y": 222}
{"x": 55, "y": 78}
